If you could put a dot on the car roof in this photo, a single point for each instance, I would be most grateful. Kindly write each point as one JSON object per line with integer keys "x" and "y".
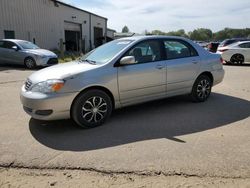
{"x": 136, "y": 38}
{"x": 242, "y": 42}
{"x": 14, "y": 40}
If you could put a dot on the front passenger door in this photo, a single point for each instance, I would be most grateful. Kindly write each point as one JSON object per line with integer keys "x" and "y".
{"x": 146, "y": 78}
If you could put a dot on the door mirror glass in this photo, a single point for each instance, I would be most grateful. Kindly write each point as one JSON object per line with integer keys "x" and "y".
{"x": 127, "y": 60}
{"x": 15, "y": 48}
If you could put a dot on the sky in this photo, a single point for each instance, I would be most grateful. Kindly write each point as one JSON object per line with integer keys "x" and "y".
{"x": 169, "y": 15}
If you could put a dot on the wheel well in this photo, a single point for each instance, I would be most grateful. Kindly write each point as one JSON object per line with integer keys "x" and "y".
{"x": 209, "y": 74}
{"x": 238, "y": 54}
{"x": 29, "y": 57}
{"x": 99, "y": 88}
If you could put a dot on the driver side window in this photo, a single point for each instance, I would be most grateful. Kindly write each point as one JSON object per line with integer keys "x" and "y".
{"x": 144, "y": 52}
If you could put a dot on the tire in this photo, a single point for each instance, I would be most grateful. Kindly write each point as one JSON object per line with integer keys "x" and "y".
{"x": 30, "y": 63}
{"x": 91, "y": 108}
{"x": 237, "y": 59}
{"x": 201, "y": 89}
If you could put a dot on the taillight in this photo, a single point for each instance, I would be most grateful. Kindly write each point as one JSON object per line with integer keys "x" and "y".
{"x": 221, "y": 60}
{"x": 223, "y": 50}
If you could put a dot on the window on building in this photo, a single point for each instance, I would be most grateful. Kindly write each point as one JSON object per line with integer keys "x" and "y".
{"x": 9, "y": 34}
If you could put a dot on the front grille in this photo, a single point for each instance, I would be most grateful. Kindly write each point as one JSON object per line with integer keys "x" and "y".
{"x": 28, "y": 110}
{"x": 52, "y": 61}
{"x": 28, "y": 83}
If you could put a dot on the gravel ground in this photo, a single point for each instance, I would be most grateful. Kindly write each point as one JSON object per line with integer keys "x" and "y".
{"x": 68, "y": 178}
{"x": 205, "y": 144}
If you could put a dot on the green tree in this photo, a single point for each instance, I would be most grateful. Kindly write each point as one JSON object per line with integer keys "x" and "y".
{"x": 201, "y": 34}
{"x": 125, "y": 29}
{"x": 180, "y": 33}
{"x": 157, "y": 32}
{"x": 228, "y": 33}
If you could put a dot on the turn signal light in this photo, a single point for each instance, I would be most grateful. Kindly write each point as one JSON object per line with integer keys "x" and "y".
{"x": 223, "y": 50}
{"x": 57, "y": 86}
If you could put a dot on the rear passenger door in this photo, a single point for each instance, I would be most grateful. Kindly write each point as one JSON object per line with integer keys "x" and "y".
{"x": 183, "y": 63}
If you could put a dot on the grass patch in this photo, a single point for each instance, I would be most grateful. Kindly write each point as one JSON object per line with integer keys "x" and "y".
{"x": 68, "y": 56}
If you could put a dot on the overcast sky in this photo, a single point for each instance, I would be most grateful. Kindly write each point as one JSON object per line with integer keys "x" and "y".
{"x": 169, "y": 15}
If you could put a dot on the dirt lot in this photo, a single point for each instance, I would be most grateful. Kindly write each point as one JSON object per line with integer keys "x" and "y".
{"x": 171, "y": 142}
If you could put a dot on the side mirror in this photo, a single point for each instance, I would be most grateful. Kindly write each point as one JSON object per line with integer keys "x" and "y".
{"x": 127, "y": 60}
{"x": 15, "y": 48}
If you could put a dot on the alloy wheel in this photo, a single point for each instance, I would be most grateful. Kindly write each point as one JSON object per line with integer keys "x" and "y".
{"x": 94, "y": 109}
{"x": 203, "y": 89}
{"x": 29, "y": 63}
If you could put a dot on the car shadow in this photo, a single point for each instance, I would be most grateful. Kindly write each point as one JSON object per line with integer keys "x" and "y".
{"x": 168, "y": 118}
{"x": 6, "y": 67}
{"x": 242, "y": 65}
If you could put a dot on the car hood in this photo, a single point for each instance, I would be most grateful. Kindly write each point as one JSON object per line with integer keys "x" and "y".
{"x": 42, "y": 52}
{"x": 61, "y": 71}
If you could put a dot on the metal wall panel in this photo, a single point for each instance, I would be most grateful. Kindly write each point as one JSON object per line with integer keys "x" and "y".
{"x": 43, "y": 21}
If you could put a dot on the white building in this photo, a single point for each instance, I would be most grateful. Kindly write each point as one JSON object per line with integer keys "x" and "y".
{"x": 51, "y": 23}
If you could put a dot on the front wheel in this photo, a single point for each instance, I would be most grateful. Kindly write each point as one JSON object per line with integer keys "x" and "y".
{"x": 201, "y": 89}
{"x": 30, "y": 63}
{"x": 91, "y": 109}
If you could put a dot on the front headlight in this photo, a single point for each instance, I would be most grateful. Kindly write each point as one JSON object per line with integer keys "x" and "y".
{"x": 48, "y": 86}
{"x": 40, "y": 56}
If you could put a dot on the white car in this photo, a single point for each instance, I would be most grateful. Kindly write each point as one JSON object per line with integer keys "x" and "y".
{"x": 236, "y": 53}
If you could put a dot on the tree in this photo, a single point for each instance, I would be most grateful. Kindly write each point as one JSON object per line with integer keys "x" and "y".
{"x": 125, "y": 29}
{"x": 201, "y": 34}
{"x": 157, "y": 32}
{"x": 180, "y": 33}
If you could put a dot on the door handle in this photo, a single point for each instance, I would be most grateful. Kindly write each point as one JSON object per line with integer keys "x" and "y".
{"x": 159, "y": 66}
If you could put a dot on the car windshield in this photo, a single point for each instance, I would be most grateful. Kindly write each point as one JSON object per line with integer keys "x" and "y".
{"x": 106, "y": 52}
{"x": 27, "y": 45}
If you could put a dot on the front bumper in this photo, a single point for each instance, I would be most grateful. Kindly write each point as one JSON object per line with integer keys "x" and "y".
{"x": 47, "y": 61}
{"x": 47, "y": 106}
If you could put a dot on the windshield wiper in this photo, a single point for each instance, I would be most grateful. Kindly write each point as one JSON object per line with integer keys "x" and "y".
{"x": 89, "y": 61}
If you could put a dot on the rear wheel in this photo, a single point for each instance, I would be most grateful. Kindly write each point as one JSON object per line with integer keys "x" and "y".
{"x": 91, "y": 109}
{"x": 30, "y": 63}
{"x": 237, "y": 59}
{"x": 201, "y": 89}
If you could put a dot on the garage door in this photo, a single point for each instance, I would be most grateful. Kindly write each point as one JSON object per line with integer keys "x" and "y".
{"x": 73, "y": 39}
{"x": 72, "y": 26}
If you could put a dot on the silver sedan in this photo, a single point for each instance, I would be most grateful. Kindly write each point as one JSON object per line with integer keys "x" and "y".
{"x": 120, "y": 73}
{"x": 22, "y": 52}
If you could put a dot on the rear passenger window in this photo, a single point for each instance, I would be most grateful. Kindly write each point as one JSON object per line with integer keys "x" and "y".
{"x": 245, "y": 45}
{"x": 8, "y": 44}
{"x": 1, "y": 44}
{"x": 148, "y": 51}
{"x": 177, "y": 49}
